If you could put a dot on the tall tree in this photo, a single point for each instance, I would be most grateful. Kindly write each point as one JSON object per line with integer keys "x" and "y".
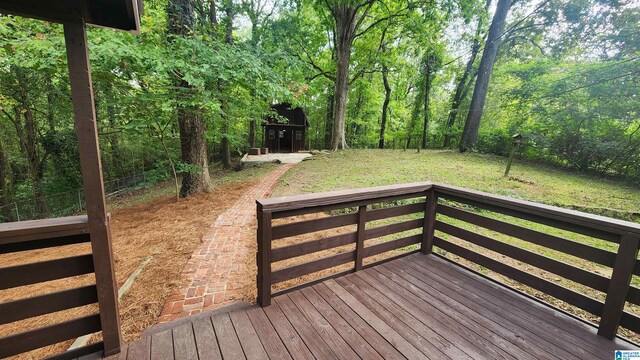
{"x": 468, "y": 75}
{"x": 351, "y": 18}
{"x": 432, "y": 63}
{"x": 472, "y": 124}
{"x": 385, "y": 104}
{"x": 193, "y": 143}
{"x": 225, "y": 144}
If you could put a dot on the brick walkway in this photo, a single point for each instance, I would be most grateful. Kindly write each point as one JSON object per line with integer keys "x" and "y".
{"x": 223, "y": 268}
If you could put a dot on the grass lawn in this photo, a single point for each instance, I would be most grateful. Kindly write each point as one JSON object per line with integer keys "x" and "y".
{"x": 530, "y": 181}
{"x": 550, "y": 185}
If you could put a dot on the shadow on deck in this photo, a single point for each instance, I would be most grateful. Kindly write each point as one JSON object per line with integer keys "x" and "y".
{"x": 416, "y": 307}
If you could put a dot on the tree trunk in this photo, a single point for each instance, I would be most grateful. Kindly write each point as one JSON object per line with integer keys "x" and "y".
{"x": 213, "y": 16}
{"x": 5, "y": 210}
{"x": 345, "y": 30}
{"x": 385, "y": 105}
{"x": 427, "y": 88}
{"x": 328, "y": 122}
{"x": 252, "y": 133}
{"x": 472, "y": 124}
{"x": 225, "y": 145}
{"x": 50, "y": 102}
{"x": 114, "y": 143}
{"x": 194, "y": 151}
{"x": 193, "y": 143}
{"x": 464, "y": 81}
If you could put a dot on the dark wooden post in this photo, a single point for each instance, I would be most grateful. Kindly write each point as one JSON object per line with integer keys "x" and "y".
{"x": 362, "y": 223}
{"x": 429, "y": 222}
{"x": 264, "y": 256}
{"x": 87, "y": 133}
{"x": 619, "y": 286}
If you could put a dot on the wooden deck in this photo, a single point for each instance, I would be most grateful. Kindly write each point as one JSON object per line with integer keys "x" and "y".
{"x": 415, "y": 307}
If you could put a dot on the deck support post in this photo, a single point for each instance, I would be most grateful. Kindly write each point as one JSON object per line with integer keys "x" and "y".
{"x": 87, "y": 133}
{"x": 264, "y": 256}
{"x": 429, "y": 222}
{"x": 619, "y": 286}
{"x": 362, "y": 222}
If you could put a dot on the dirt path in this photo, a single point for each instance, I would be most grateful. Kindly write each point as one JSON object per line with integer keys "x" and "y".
{"x": 222, "y": 269}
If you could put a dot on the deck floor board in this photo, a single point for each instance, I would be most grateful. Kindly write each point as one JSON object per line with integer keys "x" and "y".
{"x": 415, "y": 307}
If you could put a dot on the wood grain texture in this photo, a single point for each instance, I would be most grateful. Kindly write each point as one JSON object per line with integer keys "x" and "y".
{"x": 592, "y": 280}
{"x": 583, "y": 302}
{"x": 362, "y": 223}
{"x": 37, "y": 338}
{"x": 370, "y": 195}
{"x": 308, "y": 226}
{"x": 264, "y": 256}
{"x": 206, "y": 340}
{"x": 393, "y": 211}
{"x": 228, "y": 341}
{"x": 430, "y": 212}
{"x": 60, "y": 239}
{"x": 43, "y": 304}
{"x": 248, "y": 336}
{"x": 91, "y": 167}
{"x": 42, "y": 229}
{"x": 619, "y": 286}
{"x": 308, "y": 247}
{"x": 586, "y": 252}
{"x": 578, "y": 218}
{"x": 322, "y": 263}
{"x": 34, "y": 273}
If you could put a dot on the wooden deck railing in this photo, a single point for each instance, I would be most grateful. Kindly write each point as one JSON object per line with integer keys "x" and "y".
{"x": 436, "y": 203}
{"x": 44, "y": 234}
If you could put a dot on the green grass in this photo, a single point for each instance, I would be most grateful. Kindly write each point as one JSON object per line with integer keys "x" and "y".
{"x": 550, "y": 185}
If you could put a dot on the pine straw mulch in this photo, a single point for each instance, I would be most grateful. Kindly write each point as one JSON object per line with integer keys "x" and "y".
{"x": 166, "y": 231}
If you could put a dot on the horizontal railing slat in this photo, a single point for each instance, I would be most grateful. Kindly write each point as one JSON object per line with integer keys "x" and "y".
{"x": 569, "y": 296}
{"x": 308, "y": 226}
{"x": 42, "y": 229}
{"x": 44, "y": 243}
{"x": 596, "y": 225}
{"x": 340, "y": 206}
{"x": 550, "y": 221}
{"x": 308, "y": 247}
{"x": 27, "y": 274}
{"x": 78, "y": 353}
{"x": 393, "y": 228}
{"x": 43, "y": 304}
{"x": 570, "y": 272}
{"x": 37, "y": 338}
{"x": 393, "y": 211}
{"x": 586, "y": 252}
{"x": 323, "y": 263}
{"x": 633, "y": 296}
{"x": 369, "y": 195}
{"x": 391, "y": 245}
{"x": 630, "y": 321}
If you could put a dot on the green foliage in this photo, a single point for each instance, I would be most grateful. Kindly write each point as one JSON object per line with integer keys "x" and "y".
{"x": 566, "y": 78}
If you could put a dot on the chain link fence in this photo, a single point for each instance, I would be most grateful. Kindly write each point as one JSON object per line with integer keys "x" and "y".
{"x": 71, "y": 202}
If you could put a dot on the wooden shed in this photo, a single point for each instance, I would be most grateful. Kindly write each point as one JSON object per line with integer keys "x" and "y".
{"x": 285, "y": 129}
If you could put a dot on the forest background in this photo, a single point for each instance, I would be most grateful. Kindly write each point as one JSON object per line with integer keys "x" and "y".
{"x": 193, "y": 88}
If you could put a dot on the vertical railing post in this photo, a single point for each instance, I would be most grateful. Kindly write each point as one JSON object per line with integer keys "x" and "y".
{"x": 87, "y": 132}
{"x": 619, "y": 286}
{"x": 264, "y": 256}
{"x": 429, "y": 222}
{"x": 362, "y": 222}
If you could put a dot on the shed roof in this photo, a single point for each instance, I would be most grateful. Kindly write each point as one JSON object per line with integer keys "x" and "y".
{"x": 116, "y": 14}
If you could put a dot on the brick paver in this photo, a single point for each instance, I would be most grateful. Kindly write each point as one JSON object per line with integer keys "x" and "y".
{"x": 222, "y": 270}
